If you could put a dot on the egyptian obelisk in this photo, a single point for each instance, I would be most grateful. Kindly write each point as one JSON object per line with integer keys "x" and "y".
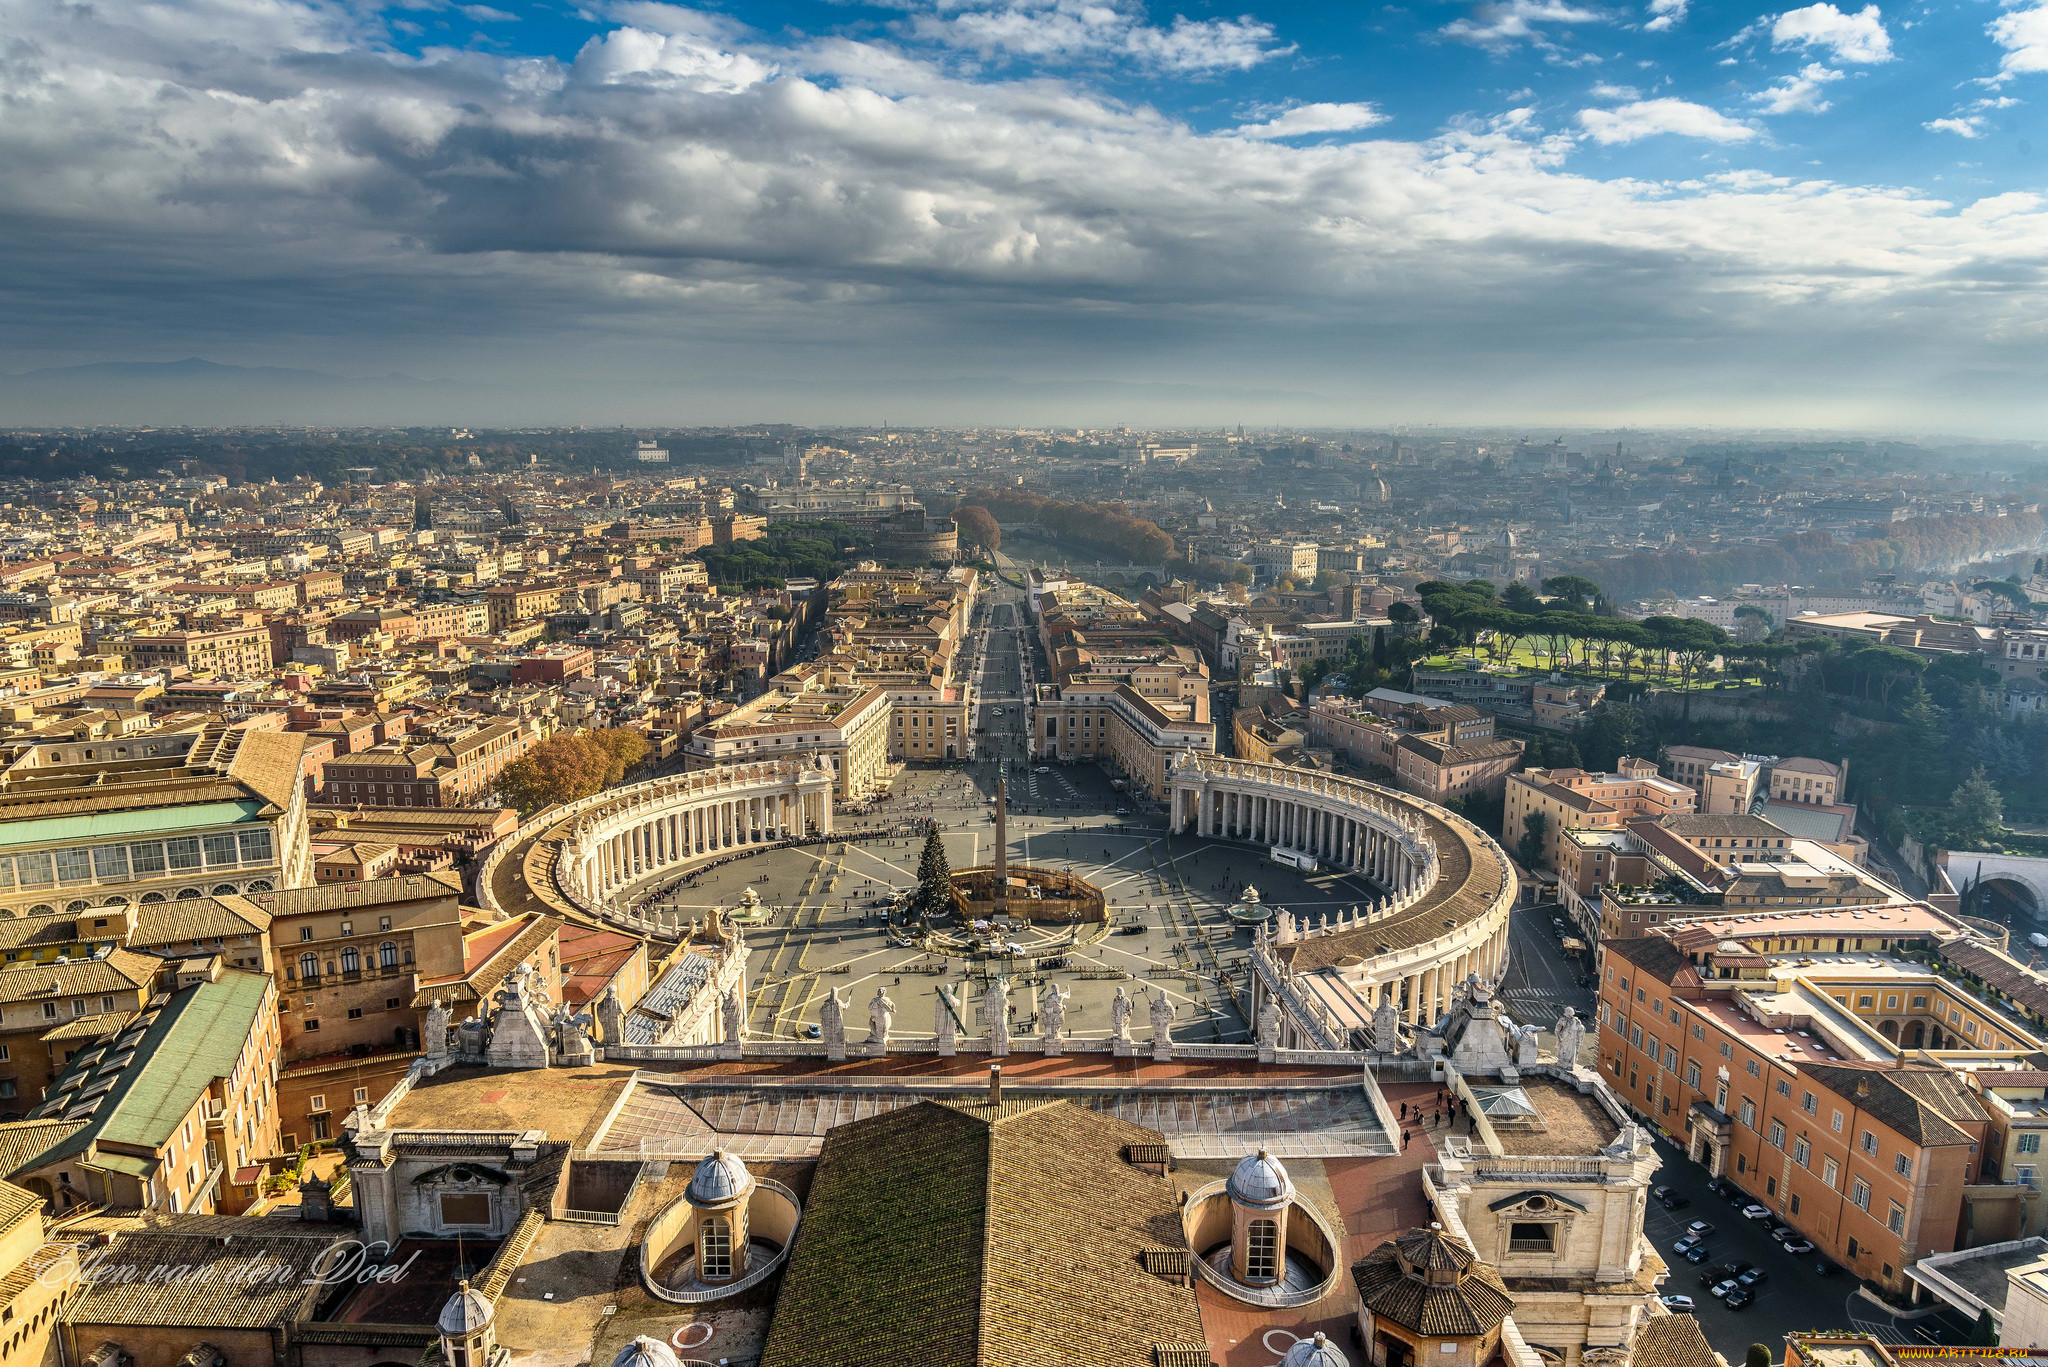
{"x": 1001, "y": 890}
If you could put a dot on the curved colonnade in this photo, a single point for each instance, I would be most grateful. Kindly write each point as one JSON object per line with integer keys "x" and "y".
{"x": 589, "y": 856}
{"x": 1450, "y": 885}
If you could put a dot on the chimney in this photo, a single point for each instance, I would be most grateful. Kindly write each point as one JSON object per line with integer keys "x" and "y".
{"x": 1862, "y": 1088}
{"x": 995, "y": 1084}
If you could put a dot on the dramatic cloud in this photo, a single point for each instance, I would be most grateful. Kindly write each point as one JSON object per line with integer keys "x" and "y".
{"x": 1651, "y": 118}
{"x": 1799, "y": 94}
{"x": 2023, "y": 33}
{"x": 1500, "y": 23}
{"x": 1306, "y": 119}
{"x": 712, "y": 212}
{"x": 1858, "y": 37}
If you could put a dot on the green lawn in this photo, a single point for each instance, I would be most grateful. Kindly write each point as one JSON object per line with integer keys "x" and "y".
{"x": 1537, "y": 662}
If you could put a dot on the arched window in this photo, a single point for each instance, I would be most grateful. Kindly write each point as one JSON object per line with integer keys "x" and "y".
{"x": 351, "y": 961}
{"x": 1262, "y": 1251}
{"x": 387, "y": 955}
{"x": 714, "y": 1249}
{"x": 309, "y": 966}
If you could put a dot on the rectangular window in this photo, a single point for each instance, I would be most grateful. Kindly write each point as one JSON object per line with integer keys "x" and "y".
{"x": 1692, "y": 1073}
{"x": 1903, "y": 1165}
{"x": 1727, "y": 1049}
{"x": 2029, "y": 1143}
{"x": 1838, "y": 1122}
{"x": 1670, "y": 1059}
{"x": 465, "y": 1208}
{"x": 1859, "y": 1194}
{"x": 146, "y": 857}
{"x": 74, "y": 865}
{"x": 110, "y": 862}
{"x": 1869, "y": 1142}
{"x": 182, "y": 854}
{"x": 1809, "y": 1103}
{"x": 1784, "y": 1088}
{"x": 362, "y": 1094}
{"x": 1699, "y": 1032}
{"x": 1801, "y": 1153}
{"x": 255, "y": 845}
{"x": 1777, "y": 1134}
{"x": 1829, "y": 1171}
{"x": 1531, "y": 1237}
{"x": 220, "y": 850}
{"x": 1754, "y": 1070}
{"x": 1749, "y": 1113}
{"x": 1896, "y": 1221}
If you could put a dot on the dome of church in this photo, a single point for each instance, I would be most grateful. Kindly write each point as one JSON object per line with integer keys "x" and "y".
{"x": 466, "y": 1312}
{"x": 1260, "y": 1181}
{"x": 1315, "y": 1352}
{"x": 646, "y": 1352}
{"x": 721, "y": 1177}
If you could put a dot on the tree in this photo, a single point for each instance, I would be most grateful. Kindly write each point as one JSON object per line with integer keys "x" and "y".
{"x": 622, "y": 748}
{"x": 1886, "y": 666}
{"x": 978, "y": 527}
{"x": 1530, "y": 847}
{"x": 2006, "y": 589}
{"x": 1752, "y": 623}
{"x": 1519, "y": 597}
{"x": 1572, "y": 591}
{"x": 934, "y": 896}
{"x": 559, "y": 769}
{"x": 1759, "y": 1356}
{"x": 1976, "y": 812}
{"x": 1403, "y": 613}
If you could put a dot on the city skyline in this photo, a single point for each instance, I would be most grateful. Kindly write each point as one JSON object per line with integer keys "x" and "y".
{"x": 1520, "y": 210}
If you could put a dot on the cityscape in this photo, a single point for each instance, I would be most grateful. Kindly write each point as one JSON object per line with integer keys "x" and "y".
{"x": 574, "y": 895}
{"x": 1023, "y": 683}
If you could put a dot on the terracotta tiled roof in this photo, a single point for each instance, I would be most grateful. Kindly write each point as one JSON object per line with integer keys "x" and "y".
{"x": 1671, "y": 1341}
{"x": 936, "y": 1235}
{"x": 1903, "y": 1099}
{"x": 221, "y": 1294}
{"x": 1430, "y": 1283}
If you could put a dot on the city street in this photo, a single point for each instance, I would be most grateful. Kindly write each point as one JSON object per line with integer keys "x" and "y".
{"x": 1795, "y": 1296}
{"x": 1542, "y": 978}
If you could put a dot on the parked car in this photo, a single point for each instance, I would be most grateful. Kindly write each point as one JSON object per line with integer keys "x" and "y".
{"x": 1043, "y": 769}
{"x": 1737, "y": 1268}
{"x": 1720, "y": 1186}
{"x": 1756, "y": 1210}
{"x": 1753, "y": 1278}
{"x": 1801, "y": 1245}
{"x": 1736, "y": 1196}
{"x": 1698, "y": 1255}
{"x": 1711, "y": 1278}
{"x": 1686, "y": 1244}
{"x": 1675, "y": 1202}
{"x": 1738, "y": 1298}
{"x": 1702, "y": 1228}
{"x": 1679, "y": 1305}
{"x": 1826, "y": 1268}
{"x": 1723, "y": 1287}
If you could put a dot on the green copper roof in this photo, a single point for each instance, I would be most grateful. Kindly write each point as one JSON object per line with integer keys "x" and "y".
{"x": 63, "y": 830}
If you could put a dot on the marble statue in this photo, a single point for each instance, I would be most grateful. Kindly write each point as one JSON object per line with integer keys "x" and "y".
{"x": 1269, "y": 1028}
{"x": 1386, "y": 1028}
{"x": 611, "y": 1016}
{"x": 946, "y": 1020}
{"x": 1571, "y": 1034}
{"x": 1052, "y": 1017}
{"x": 735, "y": 1017}
{"x": 1525, "y": 1047}
{"x": 832, "y": 1023}
{"x": 1120, "y": 1014}
{"x": 577, "y": 1050}
{"x": 995, "y": 1013}
{"x": 1161, "y": 1012}
{"x": 437, "y": 1033}
{"x": 881, "y": 1014}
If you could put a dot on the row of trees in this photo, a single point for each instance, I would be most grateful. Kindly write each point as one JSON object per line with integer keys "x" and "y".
{"x": 978, "y": 528}
{"x": 790, "y": 550}
{"x": 1820, "y": 557}
{"x": 1107, "y": 527}
{"x": 564, "y": 768}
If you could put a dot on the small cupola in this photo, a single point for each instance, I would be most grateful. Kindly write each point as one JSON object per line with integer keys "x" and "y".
{"x": 467, "y": 1328}
{"x": 1261, "y": 1194}
{"x": 1315, "y": 1352}
{"x": 718, "y": 1194}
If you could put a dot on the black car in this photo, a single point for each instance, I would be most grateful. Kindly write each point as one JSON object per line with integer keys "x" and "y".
{"x": 1720, "y": 1186}
{"x": 1712, "y": 1277}
{"x": 1753, "y": 1278}
{"x": 1826, "y": 1268}
{"x": 1737, "y": 1268}
{"x": 1738, "y": 1298}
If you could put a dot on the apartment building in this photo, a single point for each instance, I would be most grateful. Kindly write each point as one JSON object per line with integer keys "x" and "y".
{"x": 1782, "y": 1049}
{"x": 454, "y": 767}
{"x": 1369, "y": 731}
{"x": 1443, "y": 773}
{"x": 235, "y": 652}
{"x": 1574, "y": 799}
{"x": 1115, "y": 724}
{"x": 1689, "y": 763}
{"x": 54, "y": 1003}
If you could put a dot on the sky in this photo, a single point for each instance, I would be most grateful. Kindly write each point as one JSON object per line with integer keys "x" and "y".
{"x": 1030, "y": 212}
